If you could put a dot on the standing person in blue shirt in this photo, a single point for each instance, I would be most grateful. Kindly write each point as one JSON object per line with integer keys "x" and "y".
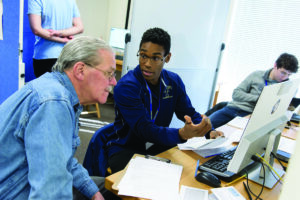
{"x": 39, "y": 126}
{"x": 145, "y": 100}
{"x": 245, "y": 96}
{"x": 54, "y": 22}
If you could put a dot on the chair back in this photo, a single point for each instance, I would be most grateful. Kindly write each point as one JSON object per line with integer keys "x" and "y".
{"x": 95, "y": 160}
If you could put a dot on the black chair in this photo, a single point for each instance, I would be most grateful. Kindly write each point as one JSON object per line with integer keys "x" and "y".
{"x": 95, "y": 160}
{"x": 217, "y": 107}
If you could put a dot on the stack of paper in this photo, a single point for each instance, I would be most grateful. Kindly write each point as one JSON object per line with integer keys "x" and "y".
{"x": 151, "y": 179}
{"x": 234, "y": 129}
{"x": 239, "y": 122}
{"x": 192, "y": 193}
{"x": 232, "y": 133}
{"x": 226, "y": 193}
{"x": 287, "y": 145}
{"x": 206, "y": 148}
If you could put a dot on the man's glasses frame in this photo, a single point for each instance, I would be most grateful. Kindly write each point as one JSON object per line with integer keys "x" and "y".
{"x": 109, "y": 75}
{"x": 153, "y": 60}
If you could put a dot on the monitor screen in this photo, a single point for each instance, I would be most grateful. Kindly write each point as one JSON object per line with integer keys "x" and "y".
{"x": 268, "y": 118}
{"x": 117, "y": 38}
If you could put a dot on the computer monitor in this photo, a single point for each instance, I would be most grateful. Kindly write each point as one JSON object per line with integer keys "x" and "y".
{"x": 117, "y": 38}
{"x": 262, "y": 133}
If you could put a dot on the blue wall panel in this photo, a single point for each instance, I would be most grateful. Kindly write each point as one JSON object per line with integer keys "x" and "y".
{"x": 28, "y": 45}
{"x": 9, "y": 68}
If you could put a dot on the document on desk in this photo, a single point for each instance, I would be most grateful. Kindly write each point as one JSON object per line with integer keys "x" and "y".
{"x": 287, "y": 145}
{"x": 227, "y": 193}
{"x": 239, "y": 122}
{"x": 206, "y": 148}
{"x": 232, "y": 133}
{"x": 151, "y": 179}
{"x": 191, "y": 193}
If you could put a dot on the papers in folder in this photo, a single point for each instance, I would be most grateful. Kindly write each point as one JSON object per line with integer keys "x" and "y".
{"x": 151, "y": 179}
{"x": 206, "y": 148}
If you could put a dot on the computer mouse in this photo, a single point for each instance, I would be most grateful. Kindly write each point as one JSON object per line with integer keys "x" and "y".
{"x": 208, "y": 179}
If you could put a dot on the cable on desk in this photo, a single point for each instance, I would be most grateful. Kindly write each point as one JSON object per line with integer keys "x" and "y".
{"x": 272, "y": 169}
{"x": 257, "y": 159}
{"x": 275, "y": 156}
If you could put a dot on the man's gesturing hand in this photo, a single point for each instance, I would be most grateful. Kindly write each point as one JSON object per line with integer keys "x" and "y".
{"x": 194, "y": 130}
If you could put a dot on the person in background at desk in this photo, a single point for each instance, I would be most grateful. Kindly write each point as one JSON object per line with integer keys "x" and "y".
{"x": 246, "y": 94}
{"x": 54, "y": 22}
{"x": 39, "y": 126}
{"x": 145, "y": 100}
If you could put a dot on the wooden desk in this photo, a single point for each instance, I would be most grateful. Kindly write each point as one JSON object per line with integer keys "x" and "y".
{"x": 188, "y": 159}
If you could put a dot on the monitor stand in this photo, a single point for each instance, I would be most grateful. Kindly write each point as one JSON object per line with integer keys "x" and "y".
{"x": 256, "y": 173}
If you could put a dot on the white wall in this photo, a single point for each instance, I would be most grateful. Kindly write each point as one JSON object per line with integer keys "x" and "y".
{"x": 258, "y": 32}
{"x": 99, "y": 16}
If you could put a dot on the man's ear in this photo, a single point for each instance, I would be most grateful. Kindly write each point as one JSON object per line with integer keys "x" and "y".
{"x": 168, "y": 57}
{"x": 79, "y": 70}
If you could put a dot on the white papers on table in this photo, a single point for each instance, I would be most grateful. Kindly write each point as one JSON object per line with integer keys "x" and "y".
{"x": 191, "y": 193}
{"x": 151, "y": 179}
{"x": 287, "y": 145}
{"x": 232, "y": 133}
{"x": 200, "y": 143}
{"x": 239, "y": 122}
{"x": 206, "y": 148}
{"x": 227, "y": 193}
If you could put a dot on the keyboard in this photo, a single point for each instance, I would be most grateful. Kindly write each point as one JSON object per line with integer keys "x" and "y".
{"x": 218, "y": 165}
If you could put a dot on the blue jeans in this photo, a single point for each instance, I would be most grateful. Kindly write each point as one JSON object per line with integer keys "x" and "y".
{"x": 224, "y": 115}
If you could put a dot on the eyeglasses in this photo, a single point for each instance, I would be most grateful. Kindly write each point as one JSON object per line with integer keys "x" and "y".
{"x": 284, "y": 72}
{"x": 110, "y": 75}
{"x": 153, "y": 60}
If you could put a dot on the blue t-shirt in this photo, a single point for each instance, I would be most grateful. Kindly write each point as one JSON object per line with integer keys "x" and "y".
{"x": 55, "y": 15}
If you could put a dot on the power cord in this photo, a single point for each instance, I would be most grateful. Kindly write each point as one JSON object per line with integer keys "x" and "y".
{"x": 275, "y": 156}
{"x": 257, "y": 159}
{"x": 270, "y": 167}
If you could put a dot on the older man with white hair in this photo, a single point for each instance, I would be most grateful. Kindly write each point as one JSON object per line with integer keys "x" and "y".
{"x": 39, "y": 126}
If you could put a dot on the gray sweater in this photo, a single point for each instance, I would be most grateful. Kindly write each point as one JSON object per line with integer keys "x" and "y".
{"x": 246, "y": 94}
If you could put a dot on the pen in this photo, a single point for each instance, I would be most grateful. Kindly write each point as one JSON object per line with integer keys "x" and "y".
{"x": 249, "y": 195}
{"x": 197, "y": 168}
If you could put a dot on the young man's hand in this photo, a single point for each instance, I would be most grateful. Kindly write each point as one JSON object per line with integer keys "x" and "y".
{"x": 194, "y": 130}
{"x": 215, "y": 134}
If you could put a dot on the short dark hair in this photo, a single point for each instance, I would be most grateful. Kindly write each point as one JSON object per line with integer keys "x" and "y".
{"x": 288, "y": 62}
{"x": 157, "y": 36}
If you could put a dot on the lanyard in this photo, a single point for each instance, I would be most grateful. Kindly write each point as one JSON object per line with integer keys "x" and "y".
{"x": 266, "y": 82}
{"x": 150, "y": 94}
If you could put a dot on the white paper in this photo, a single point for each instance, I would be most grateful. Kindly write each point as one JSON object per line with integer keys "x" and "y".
{"x": 227, "y": 193}
{"x": 201, "y": 143}
{"x": 232, "y": 133}
{"x": 207, "y": 148}
{"x": 287, "y": 145}
{"x": 193, "y": 143}
{"x": 212, "y": 152}
{"x": 151, "y": 179}
{"x": 191, "y": 193}
{"x": 239, "y": 122}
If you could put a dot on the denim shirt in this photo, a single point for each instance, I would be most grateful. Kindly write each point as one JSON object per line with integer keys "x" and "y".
{"x": 38, "y": 139}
